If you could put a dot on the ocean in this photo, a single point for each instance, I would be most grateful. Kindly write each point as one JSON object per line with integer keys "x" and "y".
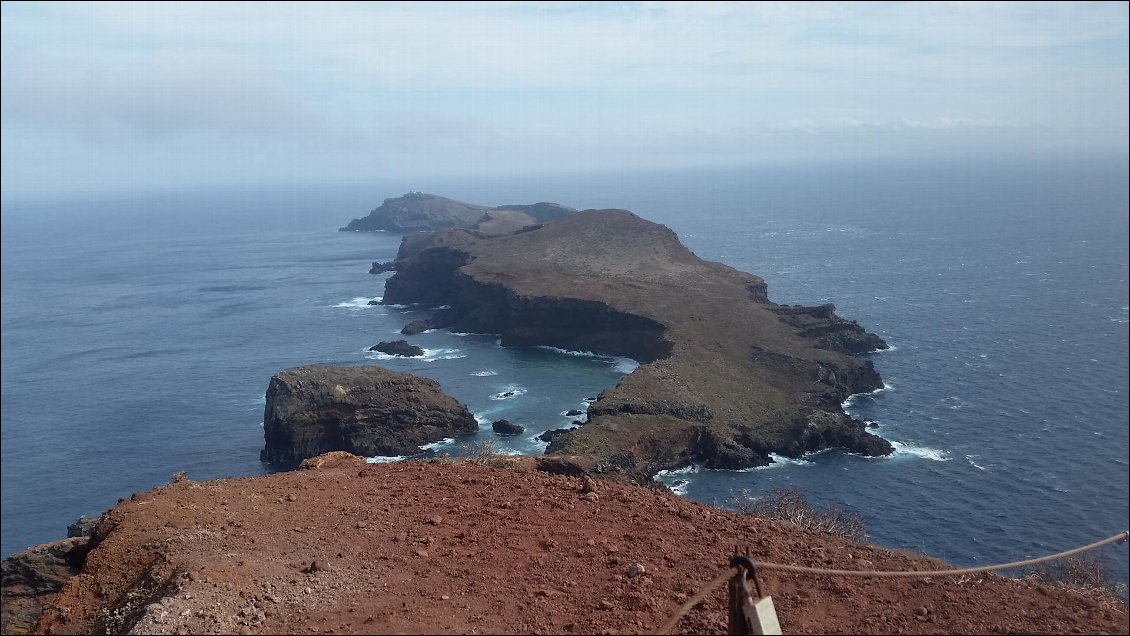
{"x": 139, "y": 335}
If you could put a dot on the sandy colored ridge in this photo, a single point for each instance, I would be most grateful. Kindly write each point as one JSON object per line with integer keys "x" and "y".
{"x": 443, "y": 547}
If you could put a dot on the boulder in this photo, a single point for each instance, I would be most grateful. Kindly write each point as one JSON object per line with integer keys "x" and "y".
{"x": 506, "y": 427}
{"x": 365, "y": 410}
{"x": 573, "y": 413}
{"x": 398, "y": 348}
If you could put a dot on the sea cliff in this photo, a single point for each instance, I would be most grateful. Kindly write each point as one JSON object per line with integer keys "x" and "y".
{"x": 727, "y": 377}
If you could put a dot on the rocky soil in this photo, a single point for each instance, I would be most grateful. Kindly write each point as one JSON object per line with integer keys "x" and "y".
{"x": 490, "y": 546}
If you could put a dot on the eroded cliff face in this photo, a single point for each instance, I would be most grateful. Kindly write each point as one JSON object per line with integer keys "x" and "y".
{"x": 727, "y": 377}
{"x": 31, "y": 580}
{"x": 367, "y": 410}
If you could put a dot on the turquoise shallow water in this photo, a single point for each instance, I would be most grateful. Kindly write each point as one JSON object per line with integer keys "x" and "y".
{"x": 139, "y": 336}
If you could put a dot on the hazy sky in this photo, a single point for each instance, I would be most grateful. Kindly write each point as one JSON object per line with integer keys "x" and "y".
{"x": 119, "y": 97}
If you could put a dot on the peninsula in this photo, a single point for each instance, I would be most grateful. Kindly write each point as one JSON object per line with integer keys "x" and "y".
{"x": 727, "y": 377}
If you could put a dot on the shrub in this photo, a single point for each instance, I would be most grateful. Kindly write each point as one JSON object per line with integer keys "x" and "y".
{"x": 789, "y": 505}
{"x": 482, "y": 454}
{"x": 1088, "y": 572}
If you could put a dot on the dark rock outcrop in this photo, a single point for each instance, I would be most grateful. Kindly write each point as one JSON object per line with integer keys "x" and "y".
{"x": 398, "y": 348}
{"x": 829, "y": 331}
{"x": 365, "y": 410}
{"x": 416, "y": 326}
{"x": 82, "y": 527}
{"x": 31, "y": 579}
{"x": 727, "y": 376}
{"x": 552, "y": 433}
{"x": 380, "y": 268}
{"x": 418, "y": 211}
{"x": 573, "y": 413}
{"x": 506, "y": 427}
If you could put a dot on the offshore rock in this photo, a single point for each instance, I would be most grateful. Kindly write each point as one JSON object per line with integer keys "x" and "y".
{"x": 398, "y": 348}
{"x": 416, "y": 326}
{"x": 506, "y": 427}
{"x": 726, "y": 376}
{"x": 366, "y": 410}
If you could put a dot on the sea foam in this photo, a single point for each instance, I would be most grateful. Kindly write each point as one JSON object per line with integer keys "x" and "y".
{"x": 382, "y": 459}
{"x": 620, "y": 363}
{"x": 921, "y": 451}
{"x": 510, "y": 392}
{"x": 851, "y": 399}
{"x": 360, "y": 302}
{"x": 447, "y": 441}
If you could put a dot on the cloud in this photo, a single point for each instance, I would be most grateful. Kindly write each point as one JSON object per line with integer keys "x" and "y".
{"x": 356, "y": 88}
{"x": 152, "y": 96}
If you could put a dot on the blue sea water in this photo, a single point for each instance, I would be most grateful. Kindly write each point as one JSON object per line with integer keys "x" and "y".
{"x": 138, "y": 336}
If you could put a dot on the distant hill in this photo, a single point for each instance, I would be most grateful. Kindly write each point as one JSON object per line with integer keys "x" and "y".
{"x": 419, "y": 211}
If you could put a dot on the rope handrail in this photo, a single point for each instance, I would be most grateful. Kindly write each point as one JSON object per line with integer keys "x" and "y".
{"x": 800, "y": 569}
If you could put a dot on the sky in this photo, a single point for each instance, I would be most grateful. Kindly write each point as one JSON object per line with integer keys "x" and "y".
{"x": 124, "y": 97}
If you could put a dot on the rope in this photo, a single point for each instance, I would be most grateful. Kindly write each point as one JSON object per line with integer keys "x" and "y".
{"x": 799, "y": 569}
{"x": 714, "y": 584}
{"x": 1118, "y": 538}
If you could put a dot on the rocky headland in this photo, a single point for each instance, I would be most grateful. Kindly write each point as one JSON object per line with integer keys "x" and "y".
{"x": 727, "y": 377}
{"x": 419, "y": 211}
{"x": 367, "y": 410}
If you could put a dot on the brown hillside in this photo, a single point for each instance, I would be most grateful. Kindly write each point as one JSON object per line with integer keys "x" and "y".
{"x": 436, "y": 547}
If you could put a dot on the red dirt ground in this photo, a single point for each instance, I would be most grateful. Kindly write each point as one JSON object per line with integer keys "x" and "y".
{"x": 438, "y": 547}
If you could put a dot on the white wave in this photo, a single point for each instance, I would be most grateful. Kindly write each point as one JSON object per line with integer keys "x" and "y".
{"x": 687, "y": 470}
{"x": 679, "y": 486}
{"x": 485, "y": 373}
{"x": 481, "y": 419}
{"x": 510, "y": 392}
{"x": 378, "y": 355}
{"x": 625, "y": 365}
{"x": 778, "y": 461}
{"x": 969, "y": 458}
{"x": 447, "y": 441}
{"x": 620, "y": 363}
{"x": 431, "y": 355}
{"x": 360, "y": 302}
{"x": 781, "y": 459}
{"x": 855, "y": 396}
{"x": 381, "y": 459}
{"x": 677, "y": 480}
{"x": 921, "y": 451}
